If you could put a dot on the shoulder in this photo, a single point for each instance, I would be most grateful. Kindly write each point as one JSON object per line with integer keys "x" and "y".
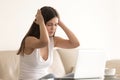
{"x": 30, "y": 38}
{"x": 57, "y": 40}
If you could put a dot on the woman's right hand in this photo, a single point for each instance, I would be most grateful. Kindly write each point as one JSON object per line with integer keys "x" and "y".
{"x": 39, "y": 17}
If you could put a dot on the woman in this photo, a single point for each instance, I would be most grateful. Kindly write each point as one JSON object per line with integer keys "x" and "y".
{"x": 37, "y": 46}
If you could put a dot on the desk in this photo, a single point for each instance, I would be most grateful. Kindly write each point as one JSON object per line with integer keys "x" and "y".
{"x": 106, "y": 78}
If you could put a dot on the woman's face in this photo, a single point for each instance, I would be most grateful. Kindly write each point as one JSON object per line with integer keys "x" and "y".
{"x": 51, "y": 26}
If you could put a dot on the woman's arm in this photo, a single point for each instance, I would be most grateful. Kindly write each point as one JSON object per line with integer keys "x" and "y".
{"x": 32, "y": 42}
{"x": 71, "y": 42}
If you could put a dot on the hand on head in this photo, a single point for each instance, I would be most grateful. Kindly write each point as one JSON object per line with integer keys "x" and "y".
{"x": 39, "y": 17}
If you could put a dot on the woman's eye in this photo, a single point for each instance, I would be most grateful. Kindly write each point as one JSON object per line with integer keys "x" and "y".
{"x": 49, "y": 24}
{"x": 52, "y": 24}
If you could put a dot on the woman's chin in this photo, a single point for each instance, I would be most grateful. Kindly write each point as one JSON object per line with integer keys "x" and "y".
{"x": 50, "y": 35}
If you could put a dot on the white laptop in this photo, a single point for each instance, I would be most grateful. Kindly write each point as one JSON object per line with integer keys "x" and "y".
{"x": 90, "y": 64}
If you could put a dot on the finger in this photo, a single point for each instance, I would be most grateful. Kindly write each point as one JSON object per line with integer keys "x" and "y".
{"x": 36, "y": 14}
{"x": 38, "y": 11}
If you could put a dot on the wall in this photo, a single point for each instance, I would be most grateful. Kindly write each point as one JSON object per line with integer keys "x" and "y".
{"x": 95, "y": 22}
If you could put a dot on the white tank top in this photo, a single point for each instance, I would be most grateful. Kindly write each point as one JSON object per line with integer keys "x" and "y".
{"x": 33, "y": 66}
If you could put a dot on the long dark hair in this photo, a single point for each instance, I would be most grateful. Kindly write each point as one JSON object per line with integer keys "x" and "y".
{"x": 48, "y": 13}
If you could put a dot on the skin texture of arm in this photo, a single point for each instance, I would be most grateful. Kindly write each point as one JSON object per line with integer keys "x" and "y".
{"x": 71, "y": 42}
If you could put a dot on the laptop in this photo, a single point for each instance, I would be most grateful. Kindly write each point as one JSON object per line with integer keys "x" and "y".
{"x": 90, "y": 64}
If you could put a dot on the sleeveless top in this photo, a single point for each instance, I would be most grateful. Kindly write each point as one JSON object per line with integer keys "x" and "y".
{"x": 33, "y": 66}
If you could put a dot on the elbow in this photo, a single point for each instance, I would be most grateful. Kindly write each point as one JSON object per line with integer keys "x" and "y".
{"x": 77, "y": 44}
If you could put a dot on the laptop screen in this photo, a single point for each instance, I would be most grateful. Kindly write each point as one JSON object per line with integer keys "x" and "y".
{"x": 90, "y": 64}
